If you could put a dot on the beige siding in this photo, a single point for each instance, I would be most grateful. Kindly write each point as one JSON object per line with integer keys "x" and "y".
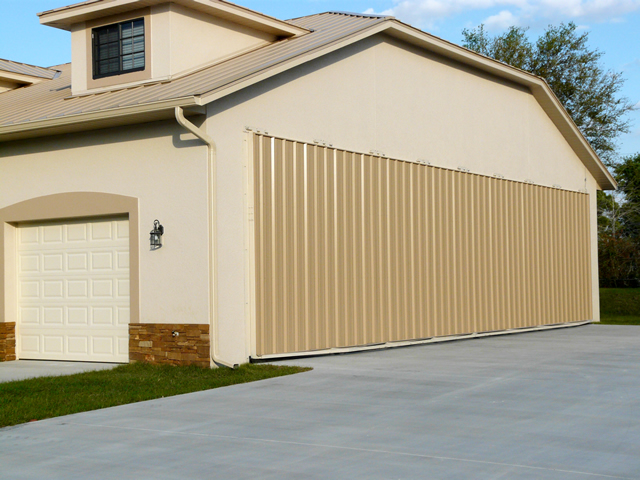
{"x": 354, "y": 249}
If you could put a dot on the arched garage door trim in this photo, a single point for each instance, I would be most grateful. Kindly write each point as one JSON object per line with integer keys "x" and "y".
{"x": 62, "y": 206}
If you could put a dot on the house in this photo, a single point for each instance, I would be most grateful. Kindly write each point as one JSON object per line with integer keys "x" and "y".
{"x": 328, "y": 183}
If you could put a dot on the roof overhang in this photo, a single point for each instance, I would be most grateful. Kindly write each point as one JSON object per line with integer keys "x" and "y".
{"x": 114, "y": 117}
{"x": 19, "y": 78}
{"x": 64, "y": 17}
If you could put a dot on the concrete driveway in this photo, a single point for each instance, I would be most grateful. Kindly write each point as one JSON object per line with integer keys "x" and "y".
{"x": 23, "y": 369}
{"x": 561, "y": 404}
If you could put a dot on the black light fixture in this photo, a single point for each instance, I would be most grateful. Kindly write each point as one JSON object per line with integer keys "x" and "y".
{"x": 155, "y": 237}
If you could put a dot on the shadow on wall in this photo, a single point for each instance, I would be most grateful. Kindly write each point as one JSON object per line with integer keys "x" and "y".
{"x": 103, "y": 136}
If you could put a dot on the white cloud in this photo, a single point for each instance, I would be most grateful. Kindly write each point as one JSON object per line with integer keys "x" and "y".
{"x": 501, "y": 21}
{"x": 428, "y": 13}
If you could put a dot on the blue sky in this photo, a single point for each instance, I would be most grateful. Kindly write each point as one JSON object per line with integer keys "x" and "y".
{"x": 613, "y": 26}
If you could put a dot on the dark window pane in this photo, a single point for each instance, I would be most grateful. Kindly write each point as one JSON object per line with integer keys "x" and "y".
{"x": 138, "y": 44}
{"x": 138, "y": 60}
{"x": 119, "y": 48}
{"x": 130, "y": 62}
{"x": 138, "y": 27}
{"x": 127, "y": 46}
{"x": 109, "y": 50}
{"x": 127, "y": 29}
{"x": 107, "y": 35}
{"x": 109, "y": 66}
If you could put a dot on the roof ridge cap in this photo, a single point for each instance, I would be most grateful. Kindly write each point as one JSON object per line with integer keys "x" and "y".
{"x": 363, "y": 15}
{"x": 345, "y": 13}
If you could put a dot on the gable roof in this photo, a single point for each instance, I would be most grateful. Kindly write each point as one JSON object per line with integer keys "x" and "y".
{"x": 49, "y": 108}
{"x": 65, "y": 17}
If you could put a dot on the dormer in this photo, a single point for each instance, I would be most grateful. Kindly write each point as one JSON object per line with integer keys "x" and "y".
{"x": 116, "y": 43}
{"x": 15, "y": 75}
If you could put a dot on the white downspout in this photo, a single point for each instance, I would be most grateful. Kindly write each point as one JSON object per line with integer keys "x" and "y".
{"x": 213, "y": 239}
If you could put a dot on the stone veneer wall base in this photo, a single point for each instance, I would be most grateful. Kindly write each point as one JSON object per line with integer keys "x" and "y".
{"x": 173, "y": 344}
{"x": 7, "y": 341}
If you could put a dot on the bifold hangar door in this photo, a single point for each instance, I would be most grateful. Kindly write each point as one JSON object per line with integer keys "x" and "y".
{"x": 353, "y": 249}
{"x": 73, "y": 290}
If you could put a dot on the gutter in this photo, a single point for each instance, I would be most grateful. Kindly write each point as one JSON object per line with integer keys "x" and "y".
{"x": 213, "y": 241}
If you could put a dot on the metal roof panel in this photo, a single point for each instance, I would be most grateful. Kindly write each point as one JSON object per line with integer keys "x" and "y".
{"x": 25, "y": 69}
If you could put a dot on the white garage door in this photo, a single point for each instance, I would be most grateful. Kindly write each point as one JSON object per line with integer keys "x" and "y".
{"x": 73, "y": 291}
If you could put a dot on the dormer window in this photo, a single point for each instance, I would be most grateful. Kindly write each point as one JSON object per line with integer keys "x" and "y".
{"x": 118, "y": 48}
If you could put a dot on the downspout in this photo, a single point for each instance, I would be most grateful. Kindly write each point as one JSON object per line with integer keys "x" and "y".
{"x": 213, "y": 239}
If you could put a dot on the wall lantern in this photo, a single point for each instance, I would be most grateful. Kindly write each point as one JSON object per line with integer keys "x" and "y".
{"x": 155, "y": 237}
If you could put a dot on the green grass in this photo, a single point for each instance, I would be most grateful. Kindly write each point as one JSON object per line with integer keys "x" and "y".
{"x": 46, "y": 397}
{"x": 620, "y": 320}
{"x": 620, "y": 306}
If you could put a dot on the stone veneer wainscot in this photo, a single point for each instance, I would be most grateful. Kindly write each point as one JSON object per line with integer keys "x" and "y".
{"x": 7, "y": 341}
{"x": 173, "y": 344}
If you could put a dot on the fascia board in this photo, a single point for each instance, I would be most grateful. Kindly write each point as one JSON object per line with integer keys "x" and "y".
{"x": 245, "y": 16}
{"x": 145, "y": 112}
{"x": 567, "y": 127}
{"x": 64, "y": 17}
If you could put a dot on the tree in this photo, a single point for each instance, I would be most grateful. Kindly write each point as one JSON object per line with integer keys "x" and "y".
{"x": 618, "y": 261}
{"x": 627, "y": 173}
{"x": 610, "y": 213}
{"x": 562, "y": 57}
{"x": 619, "y": 227}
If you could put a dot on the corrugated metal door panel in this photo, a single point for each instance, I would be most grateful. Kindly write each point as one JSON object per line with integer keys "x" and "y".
{"x": 354, "y": 249}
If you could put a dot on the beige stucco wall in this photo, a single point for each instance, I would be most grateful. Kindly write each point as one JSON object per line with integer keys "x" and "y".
{"x": 152, "y": 163}
{"x": 354, "y": 99}
{"x": 79, "y": 55}
{"x": 198, "y": 39}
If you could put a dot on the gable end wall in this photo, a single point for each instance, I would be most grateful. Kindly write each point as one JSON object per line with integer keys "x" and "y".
{"x": 380, "y": 94}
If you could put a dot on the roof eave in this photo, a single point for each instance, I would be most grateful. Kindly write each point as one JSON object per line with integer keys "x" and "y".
{"x": 20, "y": 78}
{"x": 101, "y": 119}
